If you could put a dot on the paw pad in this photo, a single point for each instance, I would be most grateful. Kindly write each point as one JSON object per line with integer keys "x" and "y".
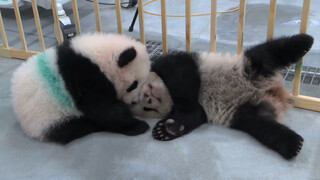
{"x": 168, "y": 129}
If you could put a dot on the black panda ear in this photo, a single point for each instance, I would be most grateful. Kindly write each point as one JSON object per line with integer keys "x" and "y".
{"x": 127, "y": 56}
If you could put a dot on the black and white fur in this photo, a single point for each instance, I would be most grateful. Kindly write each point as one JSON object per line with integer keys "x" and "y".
{"x": 243, "y": 92}
{"x": 99, "y": 76}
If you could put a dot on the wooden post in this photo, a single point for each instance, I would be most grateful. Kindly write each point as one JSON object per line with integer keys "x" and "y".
{"x": 188, "y": 24}
{"x": 141, "y": 22}
{"x": 118, "y": 15}
{"x": 271, "y": 17}
{"x": 19, "y": 24}
{"x": 164, "y": 27}
{"x": 56, "y": 21}
{"x": 38, "y": 24}
{"x": 213, "y": 19}
{"x": 76, "y": 16}
{"x": 241, "y": 26}
{"x": 307, "y": 102}
{"x": 3, "y": 33}
{"x": 97, "y": 15}
{"x": 303, "y": 29}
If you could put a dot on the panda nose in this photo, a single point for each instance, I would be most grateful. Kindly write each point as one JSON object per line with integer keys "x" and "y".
{"x": 149, "y": 101}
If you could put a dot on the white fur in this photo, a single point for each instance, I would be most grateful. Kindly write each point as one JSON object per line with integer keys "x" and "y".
{"x": 156, "y": 90}
{"x": 104, "y": 50}
{"x": 223, "y": 86}
{"x": 32, "y": 101}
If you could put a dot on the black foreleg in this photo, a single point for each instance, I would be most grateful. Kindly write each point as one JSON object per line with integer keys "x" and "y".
{"x": 177, "y": 124}
{"x": 117, "y": 118}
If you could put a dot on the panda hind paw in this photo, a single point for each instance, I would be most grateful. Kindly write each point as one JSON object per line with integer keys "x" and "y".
{"x": 291, "y": 147}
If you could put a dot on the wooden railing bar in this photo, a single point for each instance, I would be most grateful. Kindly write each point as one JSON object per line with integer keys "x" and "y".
{"x": 19, "y": 24}
{"x": 38, "y": 24}
{"x": 97, "y": 14}
{"x": 76, "y": 16}
{"x": 164, "y": 27}
{"x": 241, "y": 26}
{"x": 213, "y": 18}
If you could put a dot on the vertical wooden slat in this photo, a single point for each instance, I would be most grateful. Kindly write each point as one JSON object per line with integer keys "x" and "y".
{"x": 56, "y": 21}
{"x": 141, "y": 22}
{"x": 213, "y": 25}
{"x": 3, "y": 33}
{"x": 188, "y": 24}
{"x": 241, "y": 26}
{"x": 303, "y": 29}
{"x": 118, "y": 14}
{"x": 97, "y": 15}
{"x": 76, "y": 16}
{"x": 19, "y": 24}
{"x": 38, "y": 24}
{"x": 271, "y": 17}
{"x": 164, "y": 26}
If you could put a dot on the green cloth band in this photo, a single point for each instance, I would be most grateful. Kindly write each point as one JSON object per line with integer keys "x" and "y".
{"x": 54, "y": 82}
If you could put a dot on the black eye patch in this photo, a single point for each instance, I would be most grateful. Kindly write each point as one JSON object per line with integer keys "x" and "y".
{"x": 132, "y": 86}
{"x": 149, "y": 109}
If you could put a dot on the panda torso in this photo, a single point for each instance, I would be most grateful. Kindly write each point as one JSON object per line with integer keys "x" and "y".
{"x": 224, "y": 86}
{"x": 68, "y": 81}
{"x": 39, "y": 94}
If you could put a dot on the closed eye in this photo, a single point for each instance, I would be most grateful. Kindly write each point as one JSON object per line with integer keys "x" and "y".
{"x": 132, "y": 86}
{"x": 149, "y": 109}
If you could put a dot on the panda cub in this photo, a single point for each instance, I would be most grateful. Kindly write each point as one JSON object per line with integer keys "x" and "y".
{"x": 243, "y": 92}
{"x": 81, "y": 87}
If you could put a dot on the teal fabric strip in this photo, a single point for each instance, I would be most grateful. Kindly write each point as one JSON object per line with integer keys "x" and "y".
{"x": 54, "y": 81}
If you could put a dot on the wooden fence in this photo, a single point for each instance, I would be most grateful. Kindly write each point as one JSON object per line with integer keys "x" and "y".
{"x": 305, "y": 102}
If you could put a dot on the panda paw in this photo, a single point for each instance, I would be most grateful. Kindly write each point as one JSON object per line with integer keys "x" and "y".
{"x": 139, "y": 128}
{"x": 168, "y": 129}
{"x": 290, "y": 146}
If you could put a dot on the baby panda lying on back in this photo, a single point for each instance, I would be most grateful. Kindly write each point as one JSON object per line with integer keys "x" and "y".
{"x": 243, "y": 92}
{"x": 81, "y": 87}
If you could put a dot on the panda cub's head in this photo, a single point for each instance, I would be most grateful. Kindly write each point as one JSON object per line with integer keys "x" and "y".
{"x": 124, "y": 61}
{"x": 155, "y": 99}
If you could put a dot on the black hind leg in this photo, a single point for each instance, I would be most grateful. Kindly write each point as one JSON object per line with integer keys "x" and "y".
{"x": 177, "y": 124}
{"x": 259, "y": 122}
{"x": 264, "y": 59}
{"x": 71, "y": 129}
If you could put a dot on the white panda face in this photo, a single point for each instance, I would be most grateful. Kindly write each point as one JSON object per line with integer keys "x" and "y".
{"x": 124, "y": 61}
{"x": 155, "y": 100}
{"x": 134, "y": 74}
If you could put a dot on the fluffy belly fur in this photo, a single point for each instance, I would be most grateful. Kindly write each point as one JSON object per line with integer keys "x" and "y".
{"x": 225, "y": 86}
{"x": 222, "y": 92}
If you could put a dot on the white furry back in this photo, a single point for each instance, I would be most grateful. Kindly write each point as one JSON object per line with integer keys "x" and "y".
{"x": 32, "y": 101}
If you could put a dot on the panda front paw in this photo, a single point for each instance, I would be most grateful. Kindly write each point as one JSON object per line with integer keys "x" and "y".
{"x": 139, "y": 127}
{"x": 168, "y": 129}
